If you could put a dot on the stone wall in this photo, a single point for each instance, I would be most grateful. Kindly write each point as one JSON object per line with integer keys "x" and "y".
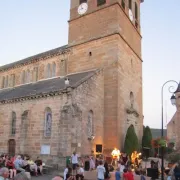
{"x": 69, "y": 122}
{"x": 61, "y": 69}
{"x": 122, "y": 75}
{"x": 109, "y": 20}
{"x": 130, "y": 109}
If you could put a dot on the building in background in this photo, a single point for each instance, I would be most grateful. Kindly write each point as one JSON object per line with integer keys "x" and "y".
{"x": 156, "y": 133}
{"x": 173, "y": 127}
{"x": 82, "y": 96}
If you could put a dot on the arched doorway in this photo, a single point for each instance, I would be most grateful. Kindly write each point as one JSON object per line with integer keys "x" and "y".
{"x": 12, "y": 147}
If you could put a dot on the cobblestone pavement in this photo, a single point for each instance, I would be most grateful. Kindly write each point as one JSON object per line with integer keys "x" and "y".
{"x": 44, "y": 177}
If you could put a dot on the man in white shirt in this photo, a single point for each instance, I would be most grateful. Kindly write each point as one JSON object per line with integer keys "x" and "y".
{"x": 74, "y": 160}
{"x": 100, "y": 171}
{"x": 80, "y": 173}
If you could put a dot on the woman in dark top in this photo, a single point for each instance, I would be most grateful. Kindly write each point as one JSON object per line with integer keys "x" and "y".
{"x": 10, "y": 166}
{"x": 106, "y": 175}
{"x": 124, "y": 158}
{"x": 87, "y": 164}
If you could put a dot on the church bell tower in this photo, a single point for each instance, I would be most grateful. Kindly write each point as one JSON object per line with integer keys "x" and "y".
{"x": 111, "y": 31}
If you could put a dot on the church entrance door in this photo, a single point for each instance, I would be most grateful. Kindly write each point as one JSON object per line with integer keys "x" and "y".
{"x": 11, "y": 147}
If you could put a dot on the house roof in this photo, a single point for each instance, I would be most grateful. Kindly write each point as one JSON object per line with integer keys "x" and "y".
{"x": 43, "y": 55}
{"x": 156, "y": 133}
{"x": 44, "y": 87}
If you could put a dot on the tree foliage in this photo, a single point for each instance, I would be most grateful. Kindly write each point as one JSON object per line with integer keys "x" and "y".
{"x": 147, "y": 138}
{"x": 131, "y": 141}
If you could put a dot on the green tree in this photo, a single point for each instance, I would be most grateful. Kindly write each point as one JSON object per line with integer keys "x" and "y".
{"x": 131, "y": 141}
{"x": 147, "y": 138}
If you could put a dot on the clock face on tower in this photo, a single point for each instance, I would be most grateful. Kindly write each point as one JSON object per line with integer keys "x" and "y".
{"x": 82, "y": 9}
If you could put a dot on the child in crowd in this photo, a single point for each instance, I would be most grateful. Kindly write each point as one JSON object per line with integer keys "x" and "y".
{"x": 128, "y": 175}
{"x": 100, "y": 171}
{"x": 142, "y": 175}
{"x": 121, "y": 166}
{"x": 125, "y": 174}
{"x": 117, "y": 174}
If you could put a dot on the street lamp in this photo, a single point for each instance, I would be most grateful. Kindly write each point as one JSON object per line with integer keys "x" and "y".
{"x": 173, "y": 101}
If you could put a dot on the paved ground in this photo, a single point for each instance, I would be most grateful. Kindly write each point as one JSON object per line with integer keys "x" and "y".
{"x": 88, "y": 176}
{"x": 44, "y": 177}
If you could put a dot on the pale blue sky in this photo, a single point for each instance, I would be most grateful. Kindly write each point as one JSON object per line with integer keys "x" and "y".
{"x": 30, "y": 27}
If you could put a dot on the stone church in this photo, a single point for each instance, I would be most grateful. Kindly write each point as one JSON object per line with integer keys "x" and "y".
{"x": 82, "y": 96}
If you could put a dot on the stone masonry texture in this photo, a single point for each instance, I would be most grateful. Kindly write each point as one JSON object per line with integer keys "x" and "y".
{"x": 104, "y": 40}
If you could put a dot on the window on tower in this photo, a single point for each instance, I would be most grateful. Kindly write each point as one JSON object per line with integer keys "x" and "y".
{"x": 123, "y": 4}
{"x": 136, "y": 15}
{"x": 82, "y": 1}
{"x": 101, "y": 2}
{"x": 130, "y": 4}
{"x": 136, "y": 11}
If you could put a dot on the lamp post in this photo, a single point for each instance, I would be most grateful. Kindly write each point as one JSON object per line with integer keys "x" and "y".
{"x": 173, "y": 101}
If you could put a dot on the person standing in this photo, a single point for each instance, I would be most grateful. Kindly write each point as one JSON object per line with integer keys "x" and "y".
{"x": 129, "y": 175}
{"x": 121, "y": 166}
{"x": 92, "y": 163}
{"x": 117, "y": 174}
{"x": 100, "y": 171}
{"x": 74, "y": 160}
{"x": 106, "y": 175}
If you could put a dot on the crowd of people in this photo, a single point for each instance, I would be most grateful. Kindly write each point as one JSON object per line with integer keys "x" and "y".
{"x": 76, "y": 170}
{"x": 17, "y": 166}
{"x": 22, "y": 167}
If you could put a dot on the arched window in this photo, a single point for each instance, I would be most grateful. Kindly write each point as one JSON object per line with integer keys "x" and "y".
{"x": 48, "y": 71}
{"x": 136, "y": 11}
{"x": 90, "y": 124}
{"x": 23, "y": 77}
{"x": 13, "y": 125}
{"x": 130, "y": 4}
{"x": 48, "y": 122}
{"x": 28, "y": 76}
{"x": 101, "y": 2}
{"x": 7, "y": 82}
{"x": 13, "y": 79}
{"x": 3, "y": 82}
{"x": 63, "y": 67}
{"x": 132, "y": 99}
{"x": 35, "y": 74}
{"x": 82, "y": 1}
{"x": 54, "y": 69}
{"x": 123, "y": 4}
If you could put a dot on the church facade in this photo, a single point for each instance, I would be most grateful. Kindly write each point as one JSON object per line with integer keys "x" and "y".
{"x": 82, "y": 96}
